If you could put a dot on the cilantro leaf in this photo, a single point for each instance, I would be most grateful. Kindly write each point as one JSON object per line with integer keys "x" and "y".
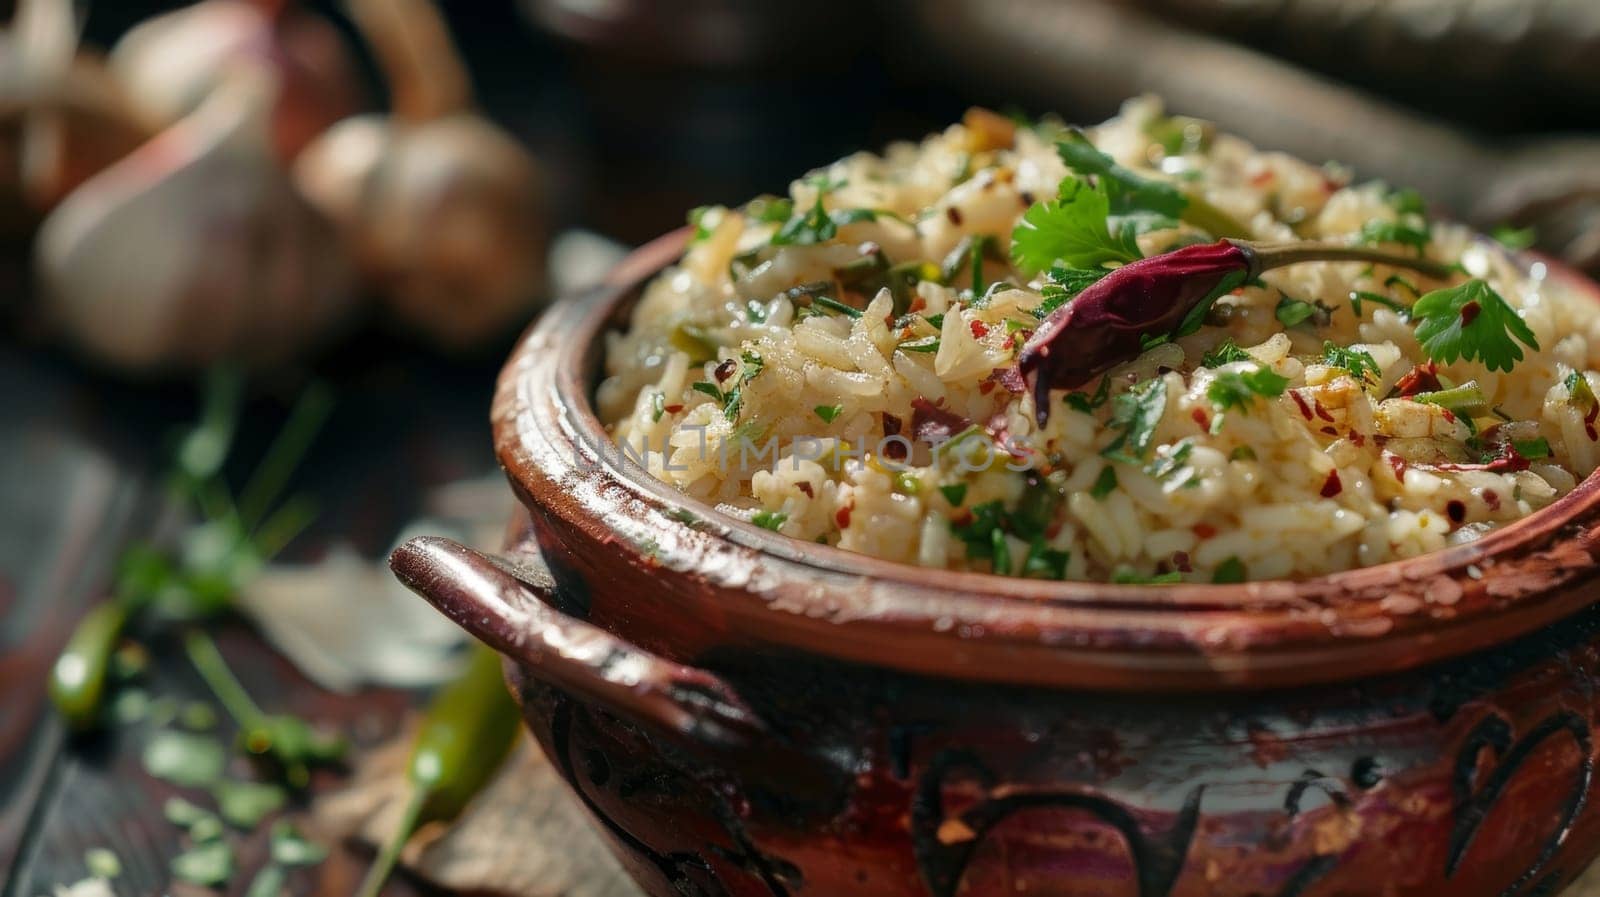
{"x": 1082, "y": 401}
{"x": 1396, "y": 232}
{"x": 828, "y": 412}
{"x": 1532, "y": 449}
{"x": 1239, "y": 389}
{"x": 1229, "y": 571}
{"x": 1471, "y": 321}
{"x": 1515, "y": 239}
{"x": 1360, "y": 364}
{"x": 1579, "y": 393}
{"x": 1064, "y": 285}
{"x": 954, "y": 493}
{"x": 1072, "y": 228}
{"x": 1226, "y": 353}
{"x": 1104, "y": 483}
{"x": 1136, "y": 413}
{"x": 1050, "y": 563}
{"x": 1127, "y": 191}
{"x": 769, "y": 209}
{"x": 772, "y": 520}
{"x": 1294, "y": 312}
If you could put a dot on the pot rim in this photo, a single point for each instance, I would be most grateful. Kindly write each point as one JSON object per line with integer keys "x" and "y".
{"x": 783, "y": 592}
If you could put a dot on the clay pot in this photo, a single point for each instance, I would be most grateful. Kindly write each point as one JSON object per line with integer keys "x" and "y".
{"x": 744, "y": 714}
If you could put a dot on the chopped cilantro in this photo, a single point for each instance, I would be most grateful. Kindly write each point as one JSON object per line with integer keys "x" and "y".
{"x": 1294, "y": 312}
{"x": 658, "y": 406}
{"x": 1515, "y": 239}
{"x": 1104, "y": 483}
{"x": 1396, "y": 232}
{"x": 935, "y": 321}
{"x": 733, "y": 399}
{"x": 1165, "y": 466}
{"x": 1073, "y": 228}
{"x": 1579, "y": 392}
{"x": 1087, "y": 403}
{"x": 1359, "y": 296}
{"x": 828, "y": 412}
{"x": 1532, "y": 449}
{"x": 769, "y": 209}
{"x": 1141, "y": 202}
{"x": 772, "y": 520}
{"x": 708, "y": 388}
{"x": 954, "y": 493}
{"x": 1239, "y": 389}
{"x": 1064, "y": 285}
{"x": 1229, "y": 571}
{"x": 1471, "y": 321}
{"x": 1136, "y": 413}
{"x": 1050, "y": 563}
{"x": 1242, "y": 453}
{"x": 1358, "y": 363}
{"x": 1226, "y": 353}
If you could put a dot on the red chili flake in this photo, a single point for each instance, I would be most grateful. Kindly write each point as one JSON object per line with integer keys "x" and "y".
{"x": 1201, "y": 418}
{"x": 979, "y": 330}
{"x": 1180, "y": 560}
{"x": 917, "y": 304}
{"x": 1422, "y": 378}
{"x": 842, "y": 517}
{"x": 1469, "y": 313}
{"x": 954, "y": 214}
{"x": 724, "y": 370}
{"x": 1330, "y": 431}
{"x": 905, "y": 332}
{"x": 1305, "y": 410}
{"x": 1492, "y": 499}
{"x": 1396, "y": 464}
{"x": 986, "y": 387}
{"x": 1204, "y": 530}
{"x": 1332, "y": 486}
{"x": 1456, "y": 510}
{"x": 672, "y": 409}
{"x": 805, "y": 486}
{"x": 1322, "y": 412}
{"x": 1357, "y": 438}
{"x": 1448, "y": 414}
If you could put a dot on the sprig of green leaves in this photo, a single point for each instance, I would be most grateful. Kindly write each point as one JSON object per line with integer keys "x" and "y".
{"x": 1471, "y": 321}
{"x": 1072, "y": 229}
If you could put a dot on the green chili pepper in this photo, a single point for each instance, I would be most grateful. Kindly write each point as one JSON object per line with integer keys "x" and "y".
{"x": 466, "y": 735}
{"x": 78, "y": 679}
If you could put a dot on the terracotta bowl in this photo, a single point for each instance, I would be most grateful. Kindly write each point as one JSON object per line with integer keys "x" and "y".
{"x": 745, "y": 714}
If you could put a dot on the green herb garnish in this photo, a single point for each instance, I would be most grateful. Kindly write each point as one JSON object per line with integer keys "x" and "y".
{"x": 772, "y": 520}
{"x": 1359, "y": 296}
{"x": 1532, "y": 449}
{"x": 1104, "y": 483}
{"x": 1073, "y": 229}
{"x": 1229, "y": 571}
{"x": 1471, "y": 321}
{"x": 1063, "y": 286}
{"x": 1358, "y": 363}
{"x": 1515, "y": 239}
{"x": 828, "y": 412}
{"x": 1135, "y": 414}
{"x": 1086, "y": 402}
{"x": 1127, "y": 576}
{"x": 954, "y": 493}
{"x": 1294, "y": 312}
{"x": 1240, "y": 389}
{"x": 1226, "y": 353}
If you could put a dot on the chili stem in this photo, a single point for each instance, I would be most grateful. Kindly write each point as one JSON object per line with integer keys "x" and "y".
{"x": 211, "y": 666}
{"x": 1276, "y": 255}
{"x": 390, "y": 853}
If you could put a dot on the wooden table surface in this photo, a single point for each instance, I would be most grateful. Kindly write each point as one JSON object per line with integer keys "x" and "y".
{"x": 78, "y": 455}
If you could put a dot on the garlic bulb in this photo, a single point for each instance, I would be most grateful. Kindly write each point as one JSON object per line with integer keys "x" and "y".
{"x": 172, "y": 62}
{"x": 195, "y": 247}
{"x": 443, "y": 217}
{"x": 441, "y": 208}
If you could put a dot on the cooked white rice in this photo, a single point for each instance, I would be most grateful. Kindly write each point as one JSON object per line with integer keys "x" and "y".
{"x": 1271, "y": 493}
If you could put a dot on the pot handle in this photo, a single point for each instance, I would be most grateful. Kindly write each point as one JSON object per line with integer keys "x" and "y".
{"x": 494, "y": 601}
